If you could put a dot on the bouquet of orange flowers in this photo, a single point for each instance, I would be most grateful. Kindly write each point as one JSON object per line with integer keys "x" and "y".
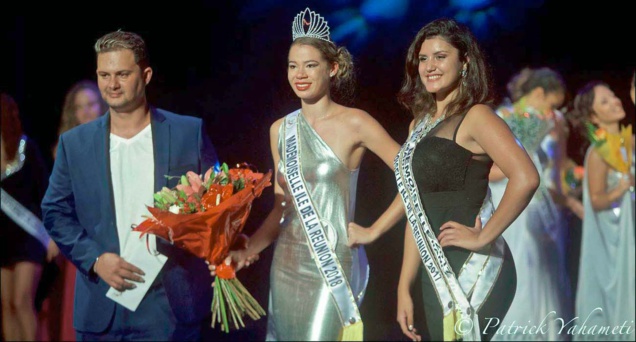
{"x": 205, "y": 216}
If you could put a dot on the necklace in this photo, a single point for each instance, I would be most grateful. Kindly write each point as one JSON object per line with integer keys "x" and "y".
{"x": 428, "y": 125}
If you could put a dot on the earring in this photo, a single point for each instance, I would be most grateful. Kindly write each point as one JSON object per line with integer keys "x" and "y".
{"x": 463, "y": 73}
{"x": 332, "y": 74}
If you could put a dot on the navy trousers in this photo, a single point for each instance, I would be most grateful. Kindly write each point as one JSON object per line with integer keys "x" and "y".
{"x": 152, "y": 321}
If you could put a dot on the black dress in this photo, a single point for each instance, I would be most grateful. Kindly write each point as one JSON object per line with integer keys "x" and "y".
{"x": 453, "y": 183}
{"x": 27, "y": 186}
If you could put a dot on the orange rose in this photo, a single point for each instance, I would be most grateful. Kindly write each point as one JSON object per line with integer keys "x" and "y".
{"x": 601, "y": 134}
{"x": 579, "y": 172}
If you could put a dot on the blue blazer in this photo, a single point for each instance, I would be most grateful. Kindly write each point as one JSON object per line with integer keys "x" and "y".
{"x": 79, "y": 213}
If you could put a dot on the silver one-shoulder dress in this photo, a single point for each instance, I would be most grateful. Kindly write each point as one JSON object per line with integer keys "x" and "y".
{"x": 301, "y": 307}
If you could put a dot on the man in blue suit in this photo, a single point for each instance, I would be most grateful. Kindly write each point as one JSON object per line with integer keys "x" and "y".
{"x": 105, "y": 172}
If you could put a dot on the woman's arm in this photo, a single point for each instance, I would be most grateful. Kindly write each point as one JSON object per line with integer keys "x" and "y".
{"x": 410, "y": 264}
{"x": 559, "y": 134}
{"x": 270, "y": 228}
{"x": 484, "y": 131}
{"x": 495, "y": 174}
{"x": 575, "y": 206}
{"x": 373, "y": 136}
{"x": 359, "y": 235}
{"x": 596, "y": 175}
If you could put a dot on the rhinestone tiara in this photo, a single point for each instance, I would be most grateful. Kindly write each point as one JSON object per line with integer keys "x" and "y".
{"x": 310, "y": 24}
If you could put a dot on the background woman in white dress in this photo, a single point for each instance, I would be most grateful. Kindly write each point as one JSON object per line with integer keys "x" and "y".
{"x": 537, "y": 238}
{"x": 606, "y": 292}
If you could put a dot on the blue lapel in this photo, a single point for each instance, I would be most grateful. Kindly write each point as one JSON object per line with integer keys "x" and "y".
{"x": 161, "y": 147}
{"x": 101, "y": 153}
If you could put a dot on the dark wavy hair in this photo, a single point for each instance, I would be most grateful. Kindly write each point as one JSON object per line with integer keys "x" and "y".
{"x": 474, "y": 88}
{"x": 581, "y": 112}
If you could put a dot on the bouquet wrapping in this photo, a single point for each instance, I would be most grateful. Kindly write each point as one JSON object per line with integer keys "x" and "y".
{"x": 205, "y": 216}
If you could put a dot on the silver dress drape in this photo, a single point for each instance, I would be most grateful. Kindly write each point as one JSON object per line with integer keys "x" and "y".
{"x": 607, "y": 285}
{"x": 301, "y": 307}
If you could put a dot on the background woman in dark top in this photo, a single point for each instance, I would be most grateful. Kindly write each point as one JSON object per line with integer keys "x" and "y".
{"x": 23, "y": 253}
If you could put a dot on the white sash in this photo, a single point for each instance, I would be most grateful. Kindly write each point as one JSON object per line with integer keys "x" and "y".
{"x": 480, "y": 271}
{"x": 325, "y": 258}
{"x": 24, "y": 218}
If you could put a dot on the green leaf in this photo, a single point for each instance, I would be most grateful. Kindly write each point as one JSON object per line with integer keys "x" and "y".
{"x": 239, "y": 184}
{"x": 224, "y": 180}
{"x": 591, "y": 134}
{"x": 225, "y": 168}
{"x": 168, "y": 196}
{"x": 158, "y": 198}
{"x": 184, "y": 180}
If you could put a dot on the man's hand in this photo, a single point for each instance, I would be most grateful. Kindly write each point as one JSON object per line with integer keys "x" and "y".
{"x": 117, "y": 273}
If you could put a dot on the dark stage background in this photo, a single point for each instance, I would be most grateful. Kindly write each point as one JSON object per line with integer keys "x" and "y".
{"x": 226, "y": 62}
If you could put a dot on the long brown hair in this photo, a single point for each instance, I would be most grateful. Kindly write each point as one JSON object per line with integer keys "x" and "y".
{"x": 11, "y": 127}
{"x": 68, "y": 119}
{"x": 582, "y": 110}
{"x": 474, "y": 88}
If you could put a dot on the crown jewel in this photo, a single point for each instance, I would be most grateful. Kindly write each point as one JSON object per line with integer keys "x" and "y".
{"x": 310, "y": 24}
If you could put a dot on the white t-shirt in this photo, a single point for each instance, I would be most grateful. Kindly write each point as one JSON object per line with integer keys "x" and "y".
{"x": 133, "y": 172}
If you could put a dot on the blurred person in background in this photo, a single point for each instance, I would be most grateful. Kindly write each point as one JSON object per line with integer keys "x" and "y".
{"x": 606, "y": 285}
{"x": 537, "y": 240}
{"x": 24, "y": 244}
{"x": 82, "y": 103}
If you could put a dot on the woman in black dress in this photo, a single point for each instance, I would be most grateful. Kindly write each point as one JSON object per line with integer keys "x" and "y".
{"x": 454, "y": 139}
{"x": 24, "y": 244}
{"x": 468, "y": 277}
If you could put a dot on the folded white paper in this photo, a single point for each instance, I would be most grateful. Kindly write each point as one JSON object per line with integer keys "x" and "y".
{"x": 141, "y": 252}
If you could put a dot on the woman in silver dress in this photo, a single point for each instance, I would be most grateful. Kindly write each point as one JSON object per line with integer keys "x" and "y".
{"x": 316, "y": 280}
